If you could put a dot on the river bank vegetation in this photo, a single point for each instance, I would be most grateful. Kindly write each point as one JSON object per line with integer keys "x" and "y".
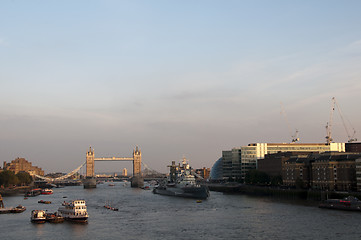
{"x": 10, "y": 179}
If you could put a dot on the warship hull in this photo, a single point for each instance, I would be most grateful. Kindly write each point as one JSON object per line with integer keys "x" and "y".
{"x": 197, "y": 192}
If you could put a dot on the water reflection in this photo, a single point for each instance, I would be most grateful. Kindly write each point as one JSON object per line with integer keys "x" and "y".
{"x": 144, "y": 215}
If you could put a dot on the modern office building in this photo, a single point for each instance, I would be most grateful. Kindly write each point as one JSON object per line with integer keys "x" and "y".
{"x": 217, "y": 170}
{"x": 238, "y": 161}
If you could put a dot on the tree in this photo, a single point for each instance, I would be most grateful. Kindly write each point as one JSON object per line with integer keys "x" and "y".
{"x": 24, "y": 178}
{"x": 276, "y": 180}
{"x": 254, "y": 176}
{"x": 7, "y": 178}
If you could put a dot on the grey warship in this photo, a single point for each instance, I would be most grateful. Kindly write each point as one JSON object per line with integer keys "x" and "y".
{"x": 182, "y": 183}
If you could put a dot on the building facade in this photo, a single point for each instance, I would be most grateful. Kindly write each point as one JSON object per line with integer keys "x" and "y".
{"x": 353, "y": 147}
{"x": 231, "y": 164}
{"x": 273, "y": 163}
{"x": 358, "y": 173}
{"x": 203, "y": 172}
{"x": 21, "y": 165}
{"x": 296, "y": 171}
{"x": 335, "y": 171}
{"x": 216, "y": 173}
{"x": 238, "y": 161}
{"x": 125, "y": 172}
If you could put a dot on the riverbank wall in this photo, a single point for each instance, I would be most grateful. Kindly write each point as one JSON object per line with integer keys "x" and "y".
{"x": 14, "y": 191}
{"x": 281, "y": 193}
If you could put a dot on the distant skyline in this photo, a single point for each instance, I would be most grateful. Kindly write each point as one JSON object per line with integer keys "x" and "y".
{"x": 176, "y": 78}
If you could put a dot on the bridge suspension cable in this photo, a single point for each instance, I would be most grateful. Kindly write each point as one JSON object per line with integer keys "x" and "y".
{"x": 62, "y": 177}
{"x": 147, "y": 168}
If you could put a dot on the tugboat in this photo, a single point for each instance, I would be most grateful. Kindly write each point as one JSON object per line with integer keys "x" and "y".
{"x": 182, "y": 183}
{"x": 54, "y": 217}
{"x": 74, "y": 211}
{"x": 38, "y": 216}
{"x": 349, "y": 203}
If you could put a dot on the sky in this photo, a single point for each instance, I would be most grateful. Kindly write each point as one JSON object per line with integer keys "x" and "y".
{"x": 176, "y": 78}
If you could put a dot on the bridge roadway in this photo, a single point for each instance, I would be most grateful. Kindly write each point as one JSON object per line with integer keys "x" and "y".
{"x": 113, "y": 159}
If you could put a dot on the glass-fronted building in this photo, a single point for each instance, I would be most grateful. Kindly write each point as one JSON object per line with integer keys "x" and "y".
{"x": 238, "y": 161}
{"x": 217, "y": 170}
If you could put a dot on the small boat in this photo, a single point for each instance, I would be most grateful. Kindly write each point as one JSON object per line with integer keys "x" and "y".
{"x": 111, "y": 184}
{"x": 45, "y": 202}
{"x": 349, "y": 203}
{"x": 75, "y": 210}
{"x": 18, "y": 209}
{"x": 107, "y": 206}
{"x": 54, "y": 217}
{"x": 46, "y": 191}
{"x": 38, "y": 216}
{"x": 199, "y": 201}
{"x": 33, "y": 192}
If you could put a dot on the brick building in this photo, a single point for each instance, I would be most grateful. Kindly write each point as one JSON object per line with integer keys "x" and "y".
{"x": 296, "y": 171}
{"x": 21, "y": 165}
{"x": 335, "y": 171}
{"x": 273, "y": 163}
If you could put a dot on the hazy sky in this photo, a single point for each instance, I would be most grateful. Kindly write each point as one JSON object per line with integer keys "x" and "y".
{"x": 177, "y": 78}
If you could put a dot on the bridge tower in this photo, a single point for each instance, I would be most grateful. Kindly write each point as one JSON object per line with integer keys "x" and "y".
{"x": 90, "y": 163}
{"x": 137, "y": 161}
{"x": 90, "y": 181}
{"x": 137, "y": 180}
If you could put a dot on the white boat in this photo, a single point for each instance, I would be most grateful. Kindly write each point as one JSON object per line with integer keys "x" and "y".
{"x": 75, "y": 210}
{"x": 38, "y": 216}
{"x": 46, "y": 191}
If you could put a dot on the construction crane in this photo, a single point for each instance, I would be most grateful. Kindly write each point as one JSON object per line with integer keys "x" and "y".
{"x": 350, "y": 138}
{"x": 294, "y": 136}
{"x": 329, "y": 123}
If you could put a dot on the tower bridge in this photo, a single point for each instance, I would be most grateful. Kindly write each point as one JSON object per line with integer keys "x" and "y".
{"x": 90, "y": 181}
{"x": 137, "y": 180}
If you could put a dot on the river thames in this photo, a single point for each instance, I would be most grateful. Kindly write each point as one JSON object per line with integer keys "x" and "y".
{"x": 144, "y": 215}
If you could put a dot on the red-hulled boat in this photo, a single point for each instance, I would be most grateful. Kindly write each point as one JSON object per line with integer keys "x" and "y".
{"x": 46, "y": 191}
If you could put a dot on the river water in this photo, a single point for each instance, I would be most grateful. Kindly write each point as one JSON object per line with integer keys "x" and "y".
{"x": 144, "y": 215}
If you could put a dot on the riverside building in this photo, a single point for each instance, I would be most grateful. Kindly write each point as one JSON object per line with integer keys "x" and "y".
{"x": 238, "y": 161}
{"x": 325, "y": 171}
{"x": 21, "y": 165}
{"x": 335, "y": 171}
